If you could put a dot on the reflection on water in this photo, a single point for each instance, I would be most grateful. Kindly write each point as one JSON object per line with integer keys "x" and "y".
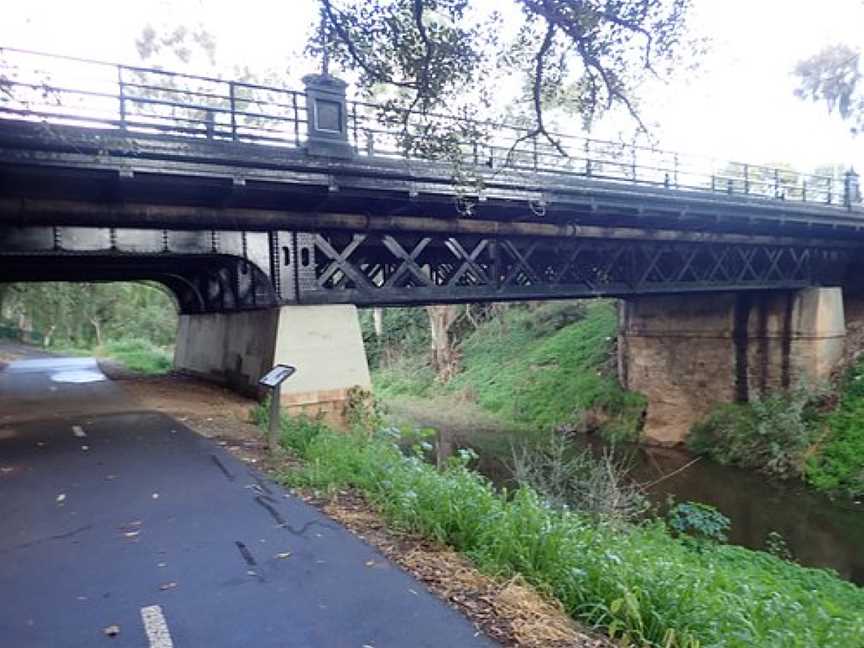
{"x": 819, "y": 532}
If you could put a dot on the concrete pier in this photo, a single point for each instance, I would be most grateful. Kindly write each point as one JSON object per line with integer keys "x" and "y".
{"x": 689, "y": 352}
{"x": 236, "y": 349}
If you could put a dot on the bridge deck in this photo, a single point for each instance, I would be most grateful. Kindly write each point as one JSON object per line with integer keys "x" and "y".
{"x": 235, "y": 208}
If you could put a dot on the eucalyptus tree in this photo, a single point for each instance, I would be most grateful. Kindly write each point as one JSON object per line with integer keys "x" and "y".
{"x": 450, "y": 56}
{"x": 833, "y": 76}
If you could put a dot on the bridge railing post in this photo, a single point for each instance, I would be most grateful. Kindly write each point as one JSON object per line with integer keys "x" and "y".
{"x": 326, "y": 117}
{"x": 210, "y": 123}
{"x": 588, "y": 166}
{"x": 851, "y": 189}
{"x": 232, "y": 99}
{"x": 675, "y": 163}
{"x": 121, "y": 95}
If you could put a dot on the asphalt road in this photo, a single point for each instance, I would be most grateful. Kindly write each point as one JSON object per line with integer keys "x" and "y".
{"x": 135, "y": 524}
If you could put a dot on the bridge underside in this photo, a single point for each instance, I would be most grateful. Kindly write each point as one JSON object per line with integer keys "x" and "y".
{"x": 230, "y": 227}
{"x": 241, "y": 234}
{"x": 224, "y": 271}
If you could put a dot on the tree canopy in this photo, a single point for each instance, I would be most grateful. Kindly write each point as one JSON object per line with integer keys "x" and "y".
{"x": 450, "y": 56}
{"x": 834, "y": 77}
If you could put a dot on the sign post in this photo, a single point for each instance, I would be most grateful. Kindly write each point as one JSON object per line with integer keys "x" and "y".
{"x": 273, "y": 380}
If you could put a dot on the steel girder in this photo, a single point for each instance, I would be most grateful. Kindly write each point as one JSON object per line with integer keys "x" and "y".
{"x": 373, "y": 268}
{"x": 215, "y": 271}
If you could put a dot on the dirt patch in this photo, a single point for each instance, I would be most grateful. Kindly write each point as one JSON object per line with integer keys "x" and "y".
{"x": 197, "y": 403}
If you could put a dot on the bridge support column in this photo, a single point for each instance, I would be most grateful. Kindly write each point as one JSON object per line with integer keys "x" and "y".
{"x": 236, "y": 349}
{"x": 688, "y": 352}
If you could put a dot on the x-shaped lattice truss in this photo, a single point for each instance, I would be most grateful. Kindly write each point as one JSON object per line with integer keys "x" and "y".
{"x": 371, "y": 268}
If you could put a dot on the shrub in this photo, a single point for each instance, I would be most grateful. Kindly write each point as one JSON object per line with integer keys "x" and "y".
{"x": 598, "y": 487}
{"x": 839, "y": 464}
{"x": 776, "y": 545}
{"x": 701, "y": 521}
{"x": 773, "y": 434}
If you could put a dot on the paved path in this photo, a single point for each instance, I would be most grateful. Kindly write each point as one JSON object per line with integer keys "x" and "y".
{"x": 132, "y": 520}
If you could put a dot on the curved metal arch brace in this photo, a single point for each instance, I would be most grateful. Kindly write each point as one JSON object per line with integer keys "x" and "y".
{"x": 170, "y": 281}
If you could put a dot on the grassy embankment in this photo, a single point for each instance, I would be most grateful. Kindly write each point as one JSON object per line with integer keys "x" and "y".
{"x": 136, "y": 354}
{"x": 552, "y": 367}
{"x": 548, "y": 367}
{"x": 638, "y": 583}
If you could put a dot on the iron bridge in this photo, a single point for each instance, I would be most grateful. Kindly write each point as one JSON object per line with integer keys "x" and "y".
{"x": 241, "y": 196}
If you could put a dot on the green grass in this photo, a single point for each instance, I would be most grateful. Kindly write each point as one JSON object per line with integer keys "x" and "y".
{"x": 136, "y": 354}
{"x": 139, "y": 355}
{"x": 639, "y": 583}
{"x": 410, "y": 376}
{"x": 547, "y": 367}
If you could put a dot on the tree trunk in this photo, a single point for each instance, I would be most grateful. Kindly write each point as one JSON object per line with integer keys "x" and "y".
{"x": 46, "y": 339}
{"x": 445, "y": 360}
{"x": 97, "y": 327}
{"x": 378, "y": 321}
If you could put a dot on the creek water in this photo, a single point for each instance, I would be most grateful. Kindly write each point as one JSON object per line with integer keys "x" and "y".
{"x": 818, "y": 531}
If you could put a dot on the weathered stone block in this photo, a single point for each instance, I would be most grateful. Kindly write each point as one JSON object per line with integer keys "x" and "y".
{"x": 688, "y": 352}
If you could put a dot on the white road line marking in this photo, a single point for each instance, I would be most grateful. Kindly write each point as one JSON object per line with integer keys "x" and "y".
{"x": 78, "y": 431}
{"x": 156, "y": 627}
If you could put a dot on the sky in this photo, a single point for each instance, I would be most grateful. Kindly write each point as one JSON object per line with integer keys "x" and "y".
{"x": 739, "y": 105}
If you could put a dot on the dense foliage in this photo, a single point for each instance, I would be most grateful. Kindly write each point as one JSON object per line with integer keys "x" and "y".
{"x": 839, "y": 463}
{"x": 773, "y": 433}
{"x": 639, "y": 584}
{"x": 793, "y": 434}
{"x": 548, "y": 365}
{"x": 132, "y": 322}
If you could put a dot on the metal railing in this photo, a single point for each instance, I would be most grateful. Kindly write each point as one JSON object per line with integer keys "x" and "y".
{"x": 68, "y": 90}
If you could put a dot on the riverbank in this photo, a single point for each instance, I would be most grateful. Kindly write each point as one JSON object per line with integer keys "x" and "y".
{"x": 818, "y": 531}
{"x": 553, "y": 366}
{"x": 637, "y": 582}
{"x": 546, "y": 366}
